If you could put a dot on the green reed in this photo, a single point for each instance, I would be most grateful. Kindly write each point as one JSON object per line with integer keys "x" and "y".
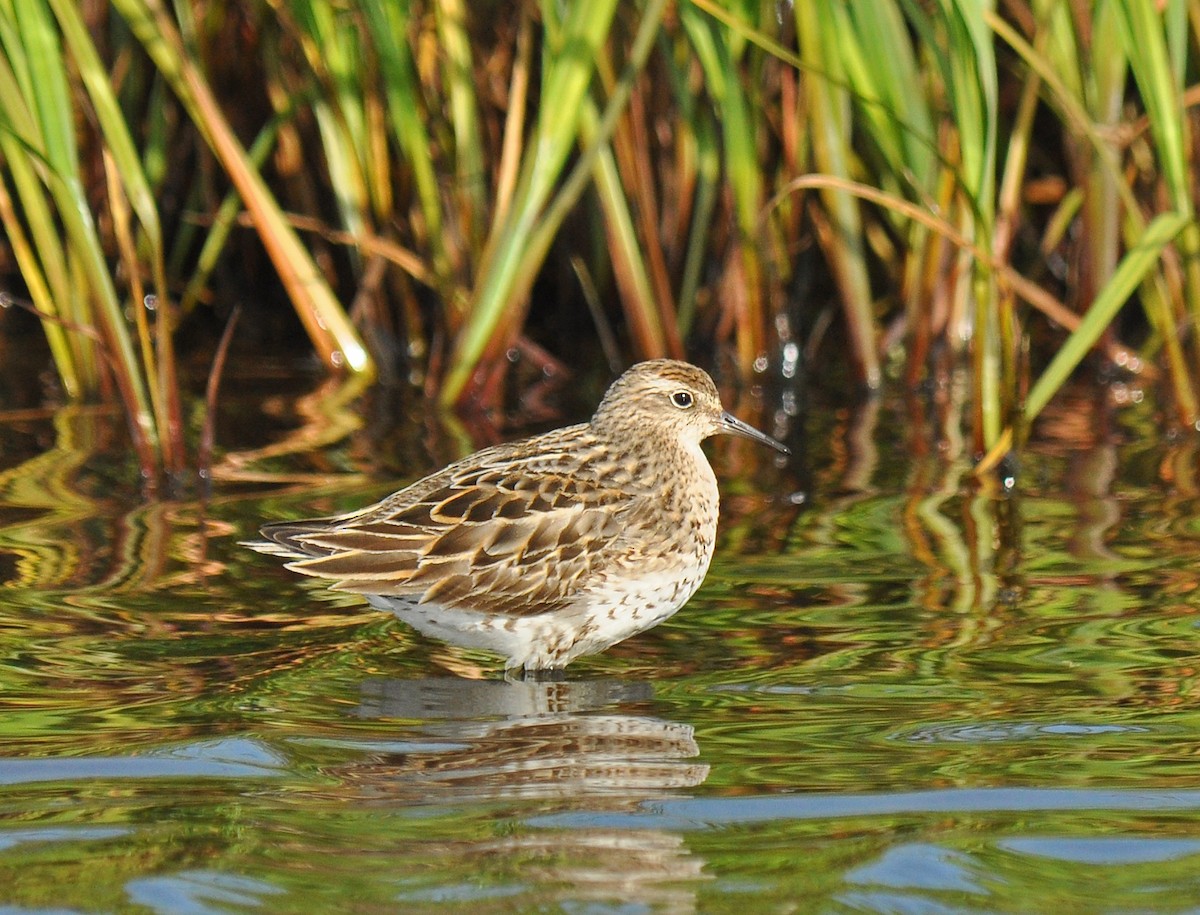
{"x": 681, "y": 156}
{"x": 54, "y": 230}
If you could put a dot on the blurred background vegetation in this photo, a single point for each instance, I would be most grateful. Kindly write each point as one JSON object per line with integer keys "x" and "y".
{"x": 437, "y": 188}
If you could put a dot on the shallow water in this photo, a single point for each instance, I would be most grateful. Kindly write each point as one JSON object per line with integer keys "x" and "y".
{"x": 909, "y": 694}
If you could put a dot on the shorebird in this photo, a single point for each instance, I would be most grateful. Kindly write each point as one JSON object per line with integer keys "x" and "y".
{"x": 549, "y": 548}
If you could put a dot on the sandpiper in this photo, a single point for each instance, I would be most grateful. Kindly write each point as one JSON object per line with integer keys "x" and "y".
{"x": 549, "y": 548}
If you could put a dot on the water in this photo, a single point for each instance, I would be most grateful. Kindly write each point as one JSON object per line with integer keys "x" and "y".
{"x": 912, "y": 694}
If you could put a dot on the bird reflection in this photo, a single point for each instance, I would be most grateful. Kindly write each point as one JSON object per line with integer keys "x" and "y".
{"x": 564, "y": 745}
{"x": 493, "y": 739}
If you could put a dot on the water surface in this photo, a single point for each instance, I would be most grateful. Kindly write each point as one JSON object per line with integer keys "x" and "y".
{"x": 900, "y": 690}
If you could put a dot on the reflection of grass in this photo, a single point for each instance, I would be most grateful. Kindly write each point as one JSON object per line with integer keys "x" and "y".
{"x": 443, "y": 159}
{"x": 856, "y": 654}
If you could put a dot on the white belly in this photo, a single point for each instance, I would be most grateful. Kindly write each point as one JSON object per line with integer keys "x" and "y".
{"x": 551, "y": 640}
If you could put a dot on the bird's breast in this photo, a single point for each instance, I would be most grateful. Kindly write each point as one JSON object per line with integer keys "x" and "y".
{"x": 682, "y": 510}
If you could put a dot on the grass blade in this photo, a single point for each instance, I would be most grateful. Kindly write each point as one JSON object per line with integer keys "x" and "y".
{"x": 1132, "y": 270}
{"x": 322, "y": 315}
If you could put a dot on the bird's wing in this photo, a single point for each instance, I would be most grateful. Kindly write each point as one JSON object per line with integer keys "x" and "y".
{"x": 511, "y": 536}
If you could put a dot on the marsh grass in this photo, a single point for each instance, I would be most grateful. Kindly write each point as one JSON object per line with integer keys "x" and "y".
{"x": 969, "y": 179}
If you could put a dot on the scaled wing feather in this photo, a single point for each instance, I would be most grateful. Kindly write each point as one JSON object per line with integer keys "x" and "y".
{"x": 484, "y": 533}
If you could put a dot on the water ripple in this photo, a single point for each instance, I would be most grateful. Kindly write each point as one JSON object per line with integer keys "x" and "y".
{"x": 686, "y": 814}
{"x": 231, "y": 758}
{"x": 999, "y": 731}
{"x": 14, "y": 837}
{"x": 1104, "y": 850}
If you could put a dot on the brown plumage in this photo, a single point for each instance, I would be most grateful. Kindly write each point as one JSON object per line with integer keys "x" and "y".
{"x": 548, "y": 548}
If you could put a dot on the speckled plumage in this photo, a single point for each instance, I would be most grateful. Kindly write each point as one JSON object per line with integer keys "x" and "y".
{"x": 549, "y": 548}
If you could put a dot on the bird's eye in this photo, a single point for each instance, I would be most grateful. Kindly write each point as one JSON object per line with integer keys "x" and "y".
{"x": 682, "y": 399}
